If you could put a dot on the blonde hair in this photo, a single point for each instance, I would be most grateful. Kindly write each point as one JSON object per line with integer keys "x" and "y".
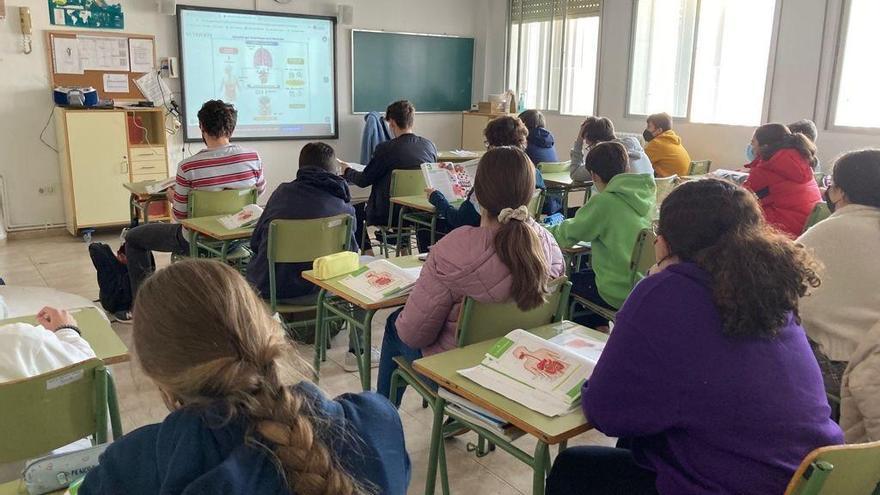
{"x": 203, "y": 335}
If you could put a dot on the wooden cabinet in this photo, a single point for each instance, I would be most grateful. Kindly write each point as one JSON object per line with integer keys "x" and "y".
{"x": 99, "y": 151}
{"x": 472, "y": 125}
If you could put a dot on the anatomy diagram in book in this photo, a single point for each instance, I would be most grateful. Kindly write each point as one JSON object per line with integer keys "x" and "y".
{"x": 542, "y": 363}
{"x": 379, "y": 280}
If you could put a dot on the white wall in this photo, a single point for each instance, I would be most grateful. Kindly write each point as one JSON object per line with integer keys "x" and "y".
{"x": 25, "y": 99}
{"x": 804, "y": 62}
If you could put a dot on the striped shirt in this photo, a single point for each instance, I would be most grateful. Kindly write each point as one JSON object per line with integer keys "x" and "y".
{"x": 229, "y": 167}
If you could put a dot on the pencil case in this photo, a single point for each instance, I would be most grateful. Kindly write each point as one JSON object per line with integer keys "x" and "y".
{"x": 334, "y": 265}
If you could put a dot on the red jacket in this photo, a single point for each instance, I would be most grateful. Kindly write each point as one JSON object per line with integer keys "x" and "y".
{"x": 785, "y": 188}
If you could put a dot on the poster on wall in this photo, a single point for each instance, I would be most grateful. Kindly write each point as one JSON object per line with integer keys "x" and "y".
{"x": 103, "y": 14}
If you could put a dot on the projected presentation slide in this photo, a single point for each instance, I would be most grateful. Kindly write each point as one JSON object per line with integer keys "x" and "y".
{"x": 278, "y": 71}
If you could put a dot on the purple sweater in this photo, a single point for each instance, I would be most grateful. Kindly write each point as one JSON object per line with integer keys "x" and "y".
{"x": 707, "y": 413}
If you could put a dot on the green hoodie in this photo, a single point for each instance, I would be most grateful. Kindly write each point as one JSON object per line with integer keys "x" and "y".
{"x": 611, "y": 221}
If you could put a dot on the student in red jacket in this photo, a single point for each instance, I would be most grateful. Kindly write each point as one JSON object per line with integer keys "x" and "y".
{"x": 781, "y": 175}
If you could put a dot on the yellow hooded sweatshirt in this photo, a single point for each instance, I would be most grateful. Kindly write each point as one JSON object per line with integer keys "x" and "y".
{"x": 667, "y": 155}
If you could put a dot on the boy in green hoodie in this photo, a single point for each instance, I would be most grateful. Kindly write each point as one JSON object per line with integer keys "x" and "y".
{"x": 611, "y": 221}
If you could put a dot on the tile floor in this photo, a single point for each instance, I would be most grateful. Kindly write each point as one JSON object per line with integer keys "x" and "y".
{"x": 58, "y": 260}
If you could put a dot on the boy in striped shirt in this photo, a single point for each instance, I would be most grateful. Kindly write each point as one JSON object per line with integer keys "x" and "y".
{"x": 221, "y": 165}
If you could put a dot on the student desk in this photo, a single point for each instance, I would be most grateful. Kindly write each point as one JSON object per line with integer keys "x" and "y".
{"x": 140, "y": 201}
{"x": 561, "y": 182}
{"x": 338, "y": 299}
{"x": 423, "y": 214}
{"x": 449, "y": 156}
{"x": 442, "y": 368}
{"x": 574, "y": 256}
{"x": 211, "y": 228}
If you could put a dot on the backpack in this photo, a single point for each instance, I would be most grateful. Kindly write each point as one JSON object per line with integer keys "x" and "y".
{"x": 113, "y": 281}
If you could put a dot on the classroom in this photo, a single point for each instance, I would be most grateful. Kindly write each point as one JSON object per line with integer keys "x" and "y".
{"x": 396, "y": 247}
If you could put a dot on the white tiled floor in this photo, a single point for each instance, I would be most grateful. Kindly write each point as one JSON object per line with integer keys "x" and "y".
{"x": 61, "y": 261}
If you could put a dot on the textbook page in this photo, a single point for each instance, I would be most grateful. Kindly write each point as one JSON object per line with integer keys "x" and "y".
{"x": 453, "y": 180}
{"x": 381, "y": 279}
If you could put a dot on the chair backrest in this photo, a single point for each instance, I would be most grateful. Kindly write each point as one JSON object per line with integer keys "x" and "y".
{"x": 820, "y": 212}
{"x": 840, "y": 469}
{"x": 407, "y": 183}
{"x": 820, "y": 178}
{"x": 643, "y": 257}
{"x": 479, "y": 322}
{"x": 553, "y": 167}
{"x": 700, "y": 167}
{"x": 536, "y": 204}
{"x": 51, "y": 410}
{"x": 665, "y": 185}
{"x": 225, "y": 202}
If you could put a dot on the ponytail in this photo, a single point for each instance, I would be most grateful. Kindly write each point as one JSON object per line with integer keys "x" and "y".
{"x": 774, "y": 137}
{"x": 519, "y": 248}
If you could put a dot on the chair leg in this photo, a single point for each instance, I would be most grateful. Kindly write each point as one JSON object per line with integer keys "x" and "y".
{"x": 436, "y": 446}
{"x": 320, "y": 339}
{"x": 444, "y": 474}
{"x": 396, "y": 387}
{"x": 541, "y": 466}
{"x": 113, "y": 407}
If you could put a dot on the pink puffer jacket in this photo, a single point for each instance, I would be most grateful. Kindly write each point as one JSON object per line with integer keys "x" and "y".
{"x": 461, "y": 264}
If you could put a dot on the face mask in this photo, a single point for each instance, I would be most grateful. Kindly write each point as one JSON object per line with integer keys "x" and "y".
{"x": 750, "y": 153}
{"x": 648, "y": 135}
{"x": 827, "y": 198}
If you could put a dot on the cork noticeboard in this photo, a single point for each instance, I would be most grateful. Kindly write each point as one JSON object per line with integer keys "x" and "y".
{"x": 95, "y": 78}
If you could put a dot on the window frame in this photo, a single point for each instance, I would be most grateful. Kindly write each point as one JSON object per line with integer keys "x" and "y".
{"x": 562, "y": 57}
{"x": 836, "y": 74}
{"x": 768, "y": 80}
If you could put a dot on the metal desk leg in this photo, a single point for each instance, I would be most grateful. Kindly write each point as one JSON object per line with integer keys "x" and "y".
{"x": 193, "y": 248}
{"x": 400, "y": 230}
{"x": 133, "y": 211}
{"x": 320, "y": 340}
{"x": 224, "y": 251}
{"x": 436, "y": 440}
{"x": 366, "y": 353}
{"x": 541, "y": 467}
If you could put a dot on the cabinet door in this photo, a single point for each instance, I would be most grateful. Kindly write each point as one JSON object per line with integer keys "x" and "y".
{"x": 472, "y": 132}
{"x": 99, "y": 167}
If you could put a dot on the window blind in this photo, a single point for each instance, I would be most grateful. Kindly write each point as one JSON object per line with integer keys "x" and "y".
{"x": 547, "y": 10}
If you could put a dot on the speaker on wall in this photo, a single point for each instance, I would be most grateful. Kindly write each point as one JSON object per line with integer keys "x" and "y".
{"x": 345, "y": 14}
{"x": 167, "y": 7}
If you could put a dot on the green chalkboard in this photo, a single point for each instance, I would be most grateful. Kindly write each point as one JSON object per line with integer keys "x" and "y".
{"x": 435, "y": 73}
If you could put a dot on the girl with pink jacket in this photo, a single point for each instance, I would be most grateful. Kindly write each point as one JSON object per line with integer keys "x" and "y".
{"x": 508, "y": 257}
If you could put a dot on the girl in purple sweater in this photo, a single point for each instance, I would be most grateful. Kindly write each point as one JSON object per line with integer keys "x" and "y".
{"x": 707, "y": 378}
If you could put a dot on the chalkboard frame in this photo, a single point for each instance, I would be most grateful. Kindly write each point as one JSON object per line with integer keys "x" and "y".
{"x": 335, "y": 25}
{"x": 406, "y": 33}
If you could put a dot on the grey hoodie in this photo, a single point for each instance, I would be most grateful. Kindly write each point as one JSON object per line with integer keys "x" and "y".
{"x": 639, "y": 163}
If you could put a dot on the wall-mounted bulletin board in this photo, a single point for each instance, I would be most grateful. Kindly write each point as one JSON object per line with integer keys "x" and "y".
{"x": 107, "y": 61}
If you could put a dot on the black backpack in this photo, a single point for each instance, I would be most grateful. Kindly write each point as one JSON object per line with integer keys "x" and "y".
{"x": 113, "y": 281}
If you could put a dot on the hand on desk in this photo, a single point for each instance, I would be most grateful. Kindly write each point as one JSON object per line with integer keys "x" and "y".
{"x": 429, "y": 191}
{"x": 51, "y": 318}
{"x": 343, "y": 166}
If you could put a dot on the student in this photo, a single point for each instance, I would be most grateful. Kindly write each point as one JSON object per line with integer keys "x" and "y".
{"x": 611, "y": 221}
{"x": 508, "y": 257}
{"x": 839, "y": 313}
{"x": 781, "y": 176}
{"x": 860, "y": 395}
{"x": 595, "y": 130}
{"x": 317, "y": 192}
{"x": 405, "y": 152}
{"x": 664, "y": 147}
{"x": 221, "y": 165}
{"x": 707, "y": 378}
{"x": 55, "y": 342}
{"x": 808, "y": 128}
{"x": 207, "y": 341}
{"x": 501, "y": 131}
{"x": 540, "y": 146}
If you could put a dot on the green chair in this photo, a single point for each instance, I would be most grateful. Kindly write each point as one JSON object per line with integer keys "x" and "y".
{"x": 700, "y": 167}
{"x": 210, "y": 203}
{"x": 838, "y": 470}
{"x": 820, "y": 178}
{"x": 665, "y": 185}
{"x": 477, "y": 322}
{"x": 301, "y": 241}
{"x": 47, "y": 411}
{"x": 403, "y": 183}
{"x": 536, "y": 204}
{"x": 820, "y": 212}
{"x": 640, "y": 262}
{"x": 553, "y": 167}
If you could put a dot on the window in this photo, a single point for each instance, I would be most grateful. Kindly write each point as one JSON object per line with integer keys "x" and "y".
{"x": 553, "y": 53}
{"x": 705, "y": 60}
{"x": 857, "y": 102}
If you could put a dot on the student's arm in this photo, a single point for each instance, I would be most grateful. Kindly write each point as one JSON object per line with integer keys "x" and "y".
{"x": 576, "y": 169}
{"x": 632, "y": 391}
{"x": 378, "y": 167}
{"x": 77, "y": 346}
{"x": 180, "y": 196}
{"x": 261, "y": 180}
{"x": 539, "y": 180}
{"x": 587, "y": 224}
{"x": 865, "y": 398}
{"x": 759, "y": 183}
{"x": 53, "y": 320}
{"x": 426, "y": 309}
{"x": 465, "y": 214}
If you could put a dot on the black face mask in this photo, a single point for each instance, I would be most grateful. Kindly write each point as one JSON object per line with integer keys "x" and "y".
{"x": 648, "y": 135}
{"x": 827, "y": 198}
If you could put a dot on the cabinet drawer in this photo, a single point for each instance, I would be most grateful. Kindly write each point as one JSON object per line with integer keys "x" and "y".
{"x": 147, "y": 153}
{"x": 138, "y": 177}
{"x": 149, "y": 167}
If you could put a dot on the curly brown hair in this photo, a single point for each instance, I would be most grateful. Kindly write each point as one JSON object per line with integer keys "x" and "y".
{"x": 758, "y": 274}
{"x": 217, "y": 118}
{"x": 506, "y": 131}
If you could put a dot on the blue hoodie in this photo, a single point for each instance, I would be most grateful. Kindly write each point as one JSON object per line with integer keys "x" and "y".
{"x": 540, "y": 146}
{"x": 184, "y": 455}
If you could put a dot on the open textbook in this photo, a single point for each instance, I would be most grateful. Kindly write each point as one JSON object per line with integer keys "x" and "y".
{"x": 247, "y": 217}
{"x": 543, "y": 375}
{"x": 157, "y": 186}
{"x": 381, "y": 279}
{"x": 738, "y": 178}
{"x": 453, "y": 180}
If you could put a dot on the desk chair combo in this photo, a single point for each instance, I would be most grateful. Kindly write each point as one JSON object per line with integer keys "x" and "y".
{"x": 479, "y": 322}
{"x": 699, "y": 167}
{"x": 838, "y": 470}
{"x": 820, "y": 212}
{"x": 403, "y": 183}
{"x": 215, "y": 203}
